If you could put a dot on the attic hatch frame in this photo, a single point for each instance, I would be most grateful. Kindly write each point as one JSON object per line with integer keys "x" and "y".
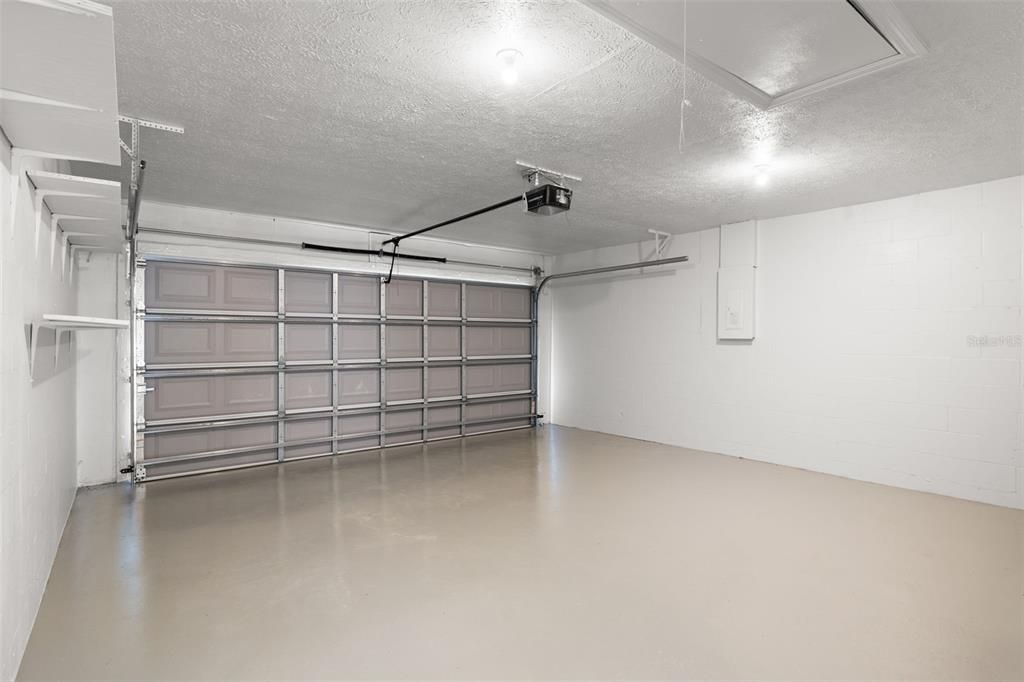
{"x": 881, "y": 15}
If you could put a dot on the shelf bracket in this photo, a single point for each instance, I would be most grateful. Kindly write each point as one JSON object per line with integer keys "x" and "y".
{"x": 661, "y": 240}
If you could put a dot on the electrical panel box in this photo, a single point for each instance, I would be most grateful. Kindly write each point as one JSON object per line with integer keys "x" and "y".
{"x": 736, "y": 302}
{"x": 737, "y": 279}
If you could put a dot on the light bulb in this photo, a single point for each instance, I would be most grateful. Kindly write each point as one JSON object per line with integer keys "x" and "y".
{"x": 509, "y": 75}
{"x": 761, "y": 177}
{"x": 508, "y": 58}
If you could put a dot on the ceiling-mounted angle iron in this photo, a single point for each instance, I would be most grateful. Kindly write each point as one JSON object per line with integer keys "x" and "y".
{"x": 545, "y": 199}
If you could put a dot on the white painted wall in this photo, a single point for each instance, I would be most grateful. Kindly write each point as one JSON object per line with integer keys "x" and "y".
{"x": 863, "y": 365}
{"x": 37, "y": 420}
{"x": 102, "y": 432}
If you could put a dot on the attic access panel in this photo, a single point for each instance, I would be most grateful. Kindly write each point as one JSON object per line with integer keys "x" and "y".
{"x": 771, "y": 52}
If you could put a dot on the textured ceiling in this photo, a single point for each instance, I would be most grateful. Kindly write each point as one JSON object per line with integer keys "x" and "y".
{"x": 393, "y": 115}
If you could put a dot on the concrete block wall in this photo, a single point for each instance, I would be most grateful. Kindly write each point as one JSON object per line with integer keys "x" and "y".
{"x": 889, "y": 345}
{"x": 37, "y": 418}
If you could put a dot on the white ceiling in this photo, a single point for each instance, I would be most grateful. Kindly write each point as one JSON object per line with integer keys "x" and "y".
{"x": 392, "y": 115}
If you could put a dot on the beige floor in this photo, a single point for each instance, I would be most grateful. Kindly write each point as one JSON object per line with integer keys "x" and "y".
{"x": 562, "y": 554}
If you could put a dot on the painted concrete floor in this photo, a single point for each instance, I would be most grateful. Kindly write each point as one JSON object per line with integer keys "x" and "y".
{"x": 560, "y": 554}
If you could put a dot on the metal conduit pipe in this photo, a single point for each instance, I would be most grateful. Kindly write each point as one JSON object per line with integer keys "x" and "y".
{"x": 578, "y": 273}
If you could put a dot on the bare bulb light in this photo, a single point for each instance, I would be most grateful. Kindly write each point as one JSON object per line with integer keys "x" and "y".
{"x": 509, "y": 58}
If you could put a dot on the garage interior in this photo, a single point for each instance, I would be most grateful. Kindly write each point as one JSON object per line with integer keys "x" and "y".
{"x": 515, "y": 339}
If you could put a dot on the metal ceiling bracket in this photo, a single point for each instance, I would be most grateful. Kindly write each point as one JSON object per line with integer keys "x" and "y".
{"x": 534, "y": 174}
{"x": 134, "y": 152}
{"x": 661, "y": 240}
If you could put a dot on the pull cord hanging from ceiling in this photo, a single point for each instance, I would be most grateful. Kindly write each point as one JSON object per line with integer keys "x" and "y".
{"x": 684, "y": 103}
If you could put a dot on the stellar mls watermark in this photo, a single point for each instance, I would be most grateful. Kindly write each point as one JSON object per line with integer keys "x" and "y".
{"x": 996, "y": 340}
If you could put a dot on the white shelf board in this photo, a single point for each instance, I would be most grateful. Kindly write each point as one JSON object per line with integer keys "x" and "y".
{"x": 88, "y": 210}
{"x": 59, "y": 92}
{"x": 66, "y": 323}
{"x": 82, "y": 322}
{"x": 77, "y": 195}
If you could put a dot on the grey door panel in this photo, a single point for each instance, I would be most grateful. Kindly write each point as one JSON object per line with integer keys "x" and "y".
{"x": 444, "y": 341}
{"x": 356, "y": 424}
{"x": 358, "y": 386}
{"x": 407, "y": 419}
{"x": 358, "y": 342}
{"x": 210, "y": 342}
{"x": 205, "y": 440}
{"x": 445, "y": 299}
{"x": 444, "y": 415}
{"x": 307, "y": 292}
{"x": 403, "y": 384}
{"x": 485, "y": 379}
{"x": 307, "y": 342}
{"x": 403, "y": 341}
{"x": 491, "y": 341}
{"x": 505, "y": 408}
{"x": 485, "y": 301}
{"x": 405, "y": 297}
{"x": 444, "y": 382}
{"x": 303, "y": 390}
{"x": 212, "y": 463}
{"x": 187, "y": 286}
{"x": 358, "y": 295}
{"x": 207, "y": 396}
{"x": 307, "y": 429}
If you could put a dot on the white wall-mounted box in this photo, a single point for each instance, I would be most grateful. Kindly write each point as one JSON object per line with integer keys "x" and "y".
{"x": 737, "y": 278}
{"x": 736, "y": 302}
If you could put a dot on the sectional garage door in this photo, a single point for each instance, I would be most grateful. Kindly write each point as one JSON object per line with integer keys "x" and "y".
{"x": 241, "y": 366}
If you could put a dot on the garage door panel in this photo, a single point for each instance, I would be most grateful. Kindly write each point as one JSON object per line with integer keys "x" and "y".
{"x": 358, "y": 387}
{"x": 249, "y": 393}
{"x": 403, "y": 341}
{"x": 356, "y": 424}
{"x": 304, "y": 390}
{"x": 445, "y": 299}
{"x": 249, "y": 342}
{"x": 250, "y": 289}
{"x": 487, "y": 379}
{"x": 307, "y": 429}
{"x": 444, "y": 342}
{"x": 307, "y": 292}
{"x": 209, "y": 396}
{"x": 209, "y": 440}
{"x": 504, "y": 408}
{"x": 496, "y": 341}
{"x": 403, "y": 384}
{"x": 444, "y": 415}
{"x": 156, "y": 468}
{"x": 406, "y": 419}
{"x": 187, "y": 286}
{"x": 180, "y": 342}
{"x": 182, "y": 286}
{"x": 497, "y": 426}
{"x": 497, "y": 302}
{"x": 307, "y": 342}
{"x": 358, "y": 342}
{"x": 404, "y": 297}
{"x": 444, "y": 382}
{"x": 358, "y": 295}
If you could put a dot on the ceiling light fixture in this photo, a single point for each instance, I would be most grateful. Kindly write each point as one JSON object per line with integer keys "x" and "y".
{"x": 509, "y": 59}
{"x": 761, "y": 177}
